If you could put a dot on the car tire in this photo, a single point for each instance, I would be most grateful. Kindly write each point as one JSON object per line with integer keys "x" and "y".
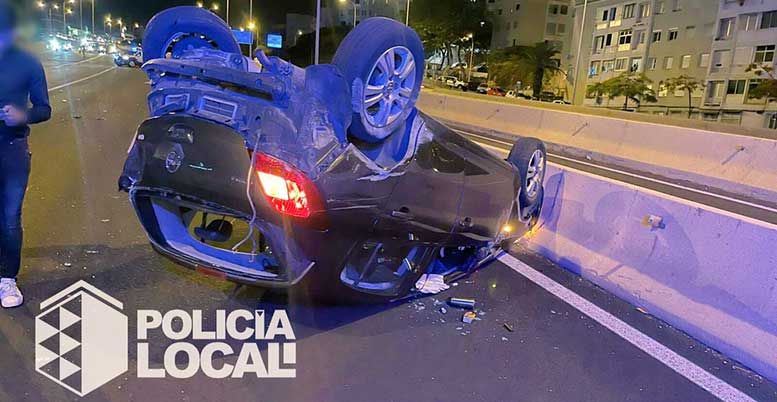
{"x": 529, "y": 156}
{"x": 362, "y": 58}
{"x": 132, "y": 64}
{"x": 180, "y": 28}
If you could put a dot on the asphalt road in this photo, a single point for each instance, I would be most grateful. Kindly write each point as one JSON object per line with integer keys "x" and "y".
{"x": 79, "y": 227}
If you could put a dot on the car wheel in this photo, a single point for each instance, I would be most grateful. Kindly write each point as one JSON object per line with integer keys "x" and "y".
{"x": 178, "y": 29}
{"x": 530, "y": 157}
{"x": 132, "y": 64}
{"x": 383, "y": 62}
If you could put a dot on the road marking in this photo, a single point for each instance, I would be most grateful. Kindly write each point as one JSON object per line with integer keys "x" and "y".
{"x": 668, "y": 357}
{"x": 81, "y": 80}
{"x": 76, "y": 63}
{"x": 636, "y": 176}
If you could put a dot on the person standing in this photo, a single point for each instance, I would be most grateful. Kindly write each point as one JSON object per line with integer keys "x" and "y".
{"x": 24, "y": 100}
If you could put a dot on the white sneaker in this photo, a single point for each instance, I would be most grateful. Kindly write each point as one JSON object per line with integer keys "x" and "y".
{"x": 10, "y": 295}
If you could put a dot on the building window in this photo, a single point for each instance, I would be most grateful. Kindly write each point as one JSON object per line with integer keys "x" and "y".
{"x": 606, "y": 15}
{"x": 673, "y": 34}
{"x": 656, "y": 36}
{"x": 624, "y": 37}
{"x": 551, "y": 28}
{"x": 563, "y": 10}
{"x": 594, "y": 69}
{"x": 553, "y": 9}
{"x": 704, "y": 60}
{"x": 736, "y": 87}
{"x": 635, "y": 65}
{"x": 676, "y": 6}
{"x": 598, "y": 43}
{"x": 620, "y": 64}
{"x": 725, "y": 29}
{"x": 668, "y": 62}
{"x": 748, "y": 22}
{"x": 764, "y": 54}
{"x": 499, "y": 12}
{"x": 644, "y": 10}
{"x": 561, "y": 29}
{"x": 628, "y": 10}
{"x": 640, "y": 37}
{"x": 685, "y": 61}
{"x": 769, "y": 20}
{"x": 608, "y": 65}
{"x": 660, "y": 6}
{"x": 608, "y": 40}
{"x": 651, "y": 63}
{"x": 750, "y": 86}
{"x": 517, "y": 7}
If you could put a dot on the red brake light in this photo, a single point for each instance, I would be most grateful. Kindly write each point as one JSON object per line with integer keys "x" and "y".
{"x": 287, "y": 189}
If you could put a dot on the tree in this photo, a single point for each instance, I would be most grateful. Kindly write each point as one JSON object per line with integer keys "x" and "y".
{"x": 597, "y": 90}
{"x": 631, "y": 86}
{"x": 767, "y": 87}
{"x": 684, "y": 83}
{"x": 541, "y": 58}
{"x": 506, "y": 68}
{"x": 445, "y": 24}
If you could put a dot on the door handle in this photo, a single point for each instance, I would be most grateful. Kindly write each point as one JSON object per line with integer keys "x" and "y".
{"x": 402, "y": 214}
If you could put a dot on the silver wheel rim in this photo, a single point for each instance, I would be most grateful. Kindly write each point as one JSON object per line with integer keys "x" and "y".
{"x": 535, "y": 173}
{"x": 389, "y": 87}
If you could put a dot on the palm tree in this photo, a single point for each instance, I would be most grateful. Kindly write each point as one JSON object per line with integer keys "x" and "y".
{"x": 542, "y": 59}
{"x": 684, "y": 83}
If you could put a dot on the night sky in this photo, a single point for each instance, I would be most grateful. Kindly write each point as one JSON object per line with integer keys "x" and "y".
{"x": 266, "y": 12}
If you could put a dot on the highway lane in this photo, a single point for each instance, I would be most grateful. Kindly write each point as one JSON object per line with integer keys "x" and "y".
{"x": 719, "y": 200}
{"x": 79, "y": 227}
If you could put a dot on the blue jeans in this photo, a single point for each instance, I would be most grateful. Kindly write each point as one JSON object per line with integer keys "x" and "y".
{"x": 14, "y": 175}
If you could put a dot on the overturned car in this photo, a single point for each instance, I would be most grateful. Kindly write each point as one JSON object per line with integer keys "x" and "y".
{"x": 326, "y": 178}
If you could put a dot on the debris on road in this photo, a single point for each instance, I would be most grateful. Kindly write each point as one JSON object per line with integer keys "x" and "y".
{"x": 67, "y": 264}
{"x": 504, "y": 339}
{"x": 92, "y": 252}
{"x": 462, "y": 303}
{"x": 443, "y": 310}
{"x": 105, "y": 220}
{"x": 431, "y": 284}
{"x": 468, "y": 317}
{"x": 76, "y": 116}
{"x": 508, "y": 327}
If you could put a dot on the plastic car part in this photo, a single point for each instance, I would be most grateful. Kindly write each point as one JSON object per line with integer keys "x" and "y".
{"x": 528, "y": 155}
{"x": 178, "y": 29}
{"x": 383, "y": 62}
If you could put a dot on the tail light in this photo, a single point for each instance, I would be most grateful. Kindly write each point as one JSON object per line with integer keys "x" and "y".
{"x": 287, "y": 189}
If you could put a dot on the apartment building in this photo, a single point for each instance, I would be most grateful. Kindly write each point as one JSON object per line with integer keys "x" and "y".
{"x": 364, "y": 9}
{"x": 516, "y": 22}
{"x": 660, "y": 38}
{"x": 711, "y": 40}
{"x": 745, "y": 33}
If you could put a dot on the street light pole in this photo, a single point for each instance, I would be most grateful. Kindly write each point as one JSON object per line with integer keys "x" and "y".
{"x": 318, "y": 32}
{"x": 407, "y": 17}
{"x": 227, "y": 14}
{"x": 81, "y": 13}
{"x": 579, "y": 50}
{"x": 471, "y": 56}
{"x": 94, "y": 29}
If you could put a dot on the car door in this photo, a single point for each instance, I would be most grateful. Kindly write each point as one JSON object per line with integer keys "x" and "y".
{"x": 424, "y": 205}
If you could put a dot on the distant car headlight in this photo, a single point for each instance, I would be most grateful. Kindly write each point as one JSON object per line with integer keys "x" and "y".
{"x": 54, "y": 44}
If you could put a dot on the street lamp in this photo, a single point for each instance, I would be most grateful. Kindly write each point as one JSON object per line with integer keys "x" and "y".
{"x": 200, "y": 5}
{"x": 65, "y": 12}
{"x": 471, "y": 38}
{"x": 43, "y": 6}
{"x": 354, "y": 9}
{"x": 252, "y": 28}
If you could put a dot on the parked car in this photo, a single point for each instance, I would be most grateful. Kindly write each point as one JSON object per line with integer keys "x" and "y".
{"x": 128, "y": 59}
{"x": 496, "y": 91}
{"x": 456, "y": 83}
{"x": 349, "y": 195}
{"x": 482, "y": 89}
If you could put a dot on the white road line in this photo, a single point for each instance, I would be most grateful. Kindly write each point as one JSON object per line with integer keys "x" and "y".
{"x": 668, "y": 357}
{"x": 81, "y": 80}
{"x": 76, "y": 63}
{"x": 636, "y": 176}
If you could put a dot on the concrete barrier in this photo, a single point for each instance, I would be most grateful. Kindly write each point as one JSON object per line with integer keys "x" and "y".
{"x": 709, "y": 273}
{"x": 736, "y": 163}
